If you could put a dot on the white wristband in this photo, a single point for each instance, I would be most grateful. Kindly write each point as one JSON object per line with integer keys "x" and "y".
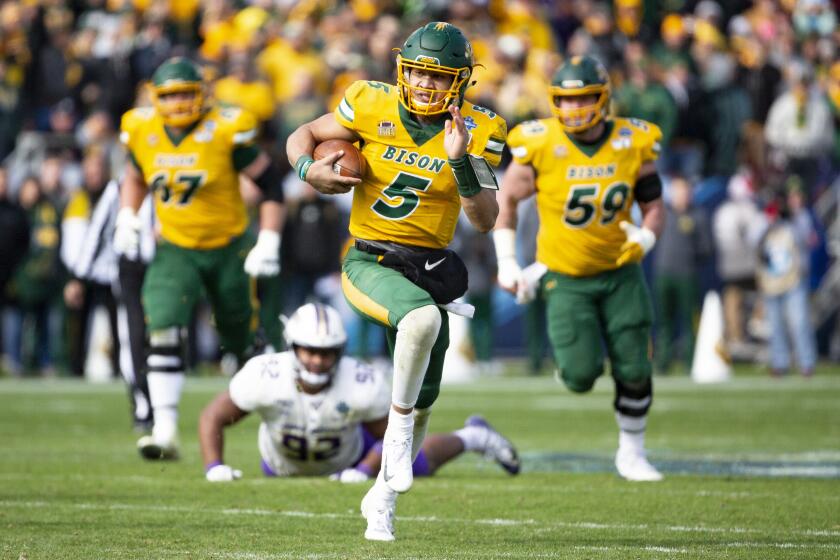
{"x": 505, "y": 241}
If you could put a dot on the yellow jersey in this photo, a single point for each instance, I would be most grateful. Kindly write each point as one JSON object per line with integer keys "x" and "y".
{"x": 583, "y": 191}
{"x": 194, "y": 179}
{"x": 408, "y": 194}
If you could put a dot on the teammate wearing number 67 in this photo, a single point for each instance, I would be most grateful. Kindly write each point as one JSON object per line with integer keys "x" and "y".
{"x": 189, "y": 155}
{"x": 429, "y": 154}
{"x": 587, "y": 171}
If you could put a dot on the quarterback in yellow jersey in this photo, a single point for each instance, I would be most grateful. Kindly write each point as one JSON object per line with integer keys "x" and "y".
{"x": 587, "y": 171}
{"x": 428, "y": 155}
{"x": 189, "y": 154}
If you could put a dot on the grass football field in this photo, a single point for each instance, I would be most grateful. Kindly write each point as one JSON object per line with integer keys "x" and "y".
{"x": 752, "y": 471}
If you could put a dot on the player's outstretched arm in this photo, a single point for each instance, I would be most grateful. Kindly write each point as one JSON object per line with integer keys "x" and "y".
{"x": 133, "y": 190}
{"x": 641, "y": 239}
{"x": 301, "y": 144}
{"x": 518, "y": 184}
{"x": 264, "y": 258}
{"x": 219, "y": 413}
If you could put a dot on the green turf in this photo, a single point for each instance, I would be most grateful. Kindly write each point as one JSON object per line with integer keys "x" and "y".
{"x": 72, "y": 485}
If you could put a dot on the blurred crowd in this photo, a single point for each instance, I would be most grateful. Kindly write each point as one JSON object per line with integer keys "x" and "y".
{"x": 747, "y": 95}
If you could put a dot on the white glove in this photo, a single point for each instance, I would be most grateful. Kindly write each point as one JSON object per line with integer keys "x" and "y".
{"x": 640, "y": 240}
{"x": 264, "y": 258}
{"x": 510, "y": 274}
{"x": 223, "y": 473}
{"x": 529, "y": 282}
{"x": 350, "y": 476}
{"x": 127, "y": 233}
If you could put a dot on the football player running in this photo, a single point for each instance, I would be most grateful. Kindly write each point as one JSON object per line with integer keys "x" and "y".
{"x": 189, "y": 154}
{"x": 428, "y": 155}
{"x": 587, "y": 170}
{"x": 322, "y": 413}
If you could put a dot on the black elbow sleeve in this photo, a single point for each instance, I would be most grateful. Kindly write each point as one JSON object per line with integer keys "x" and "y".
{"x": 270, "y": 182}
{"x": 648, "y": 188}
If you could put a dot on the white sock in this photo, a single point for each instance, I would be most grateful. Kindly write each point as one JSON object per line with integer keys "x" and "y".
{"x": 416, "y": 334}
{"x": 473, "y": 437}
{"x": 421, "y": 425}
{"x": 631, "y": 431}
{"x": 400, "y": 426}
{"x": 165, "y": 394}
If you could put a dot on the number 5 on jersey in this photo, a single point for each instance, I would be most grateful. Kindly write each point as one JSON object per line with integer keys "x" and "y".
{"x": 400, "y": 202}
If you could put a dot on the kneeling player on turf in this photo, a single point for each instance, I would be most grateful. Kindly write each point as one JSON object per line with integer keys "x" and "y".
{"x": 323, "y": 414}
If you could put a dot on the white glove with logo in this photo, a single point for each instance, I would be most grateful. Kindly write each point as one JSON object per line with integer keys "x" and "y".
{"x": 127, "y": 233}
{"x": 350, "y": 476}
{"x": 529, "y": 282}
{"x": 510, "y": 274}
{"x": 264, "y": 258}
{"x": 640, "y": 240}
{"x": 223, "y": 473}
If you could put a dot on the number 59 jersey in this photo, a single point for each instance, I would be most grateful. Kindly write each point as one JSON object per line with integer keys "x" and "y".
{"x": 194, "y": 179}
{"x": 408, "y": 194}
{"x": 310, "y": 435}
{"x": 583, "y": 191}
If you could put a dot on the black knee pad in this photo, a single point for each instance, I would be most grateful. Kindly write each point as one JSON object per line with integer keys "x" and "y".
{"x": 166, "y": 351}
{"x": 633, "y": 399}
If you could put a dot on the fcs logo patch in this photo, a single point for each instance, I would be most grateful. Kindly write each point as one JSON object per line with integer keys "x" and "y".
{"x": 152, "y": 140}
{"x": 386, "y": 129}
{"x": 470, "y": 123}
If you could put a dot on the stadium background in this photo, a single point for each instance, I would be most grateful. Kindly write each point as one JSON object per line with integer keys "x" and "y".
{"x": 706, "y": 72}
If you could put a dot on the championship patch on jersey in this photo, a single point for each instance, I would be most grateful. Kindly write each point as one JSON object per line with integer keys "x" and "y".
{"x": 624, "y": 131}
{"x": 532, "y": 128}
{"x": 519, "y": 151}
{"x": 621, "y": 143}
{"x": 386, "y": 129}
{"x": 470, "y": 123}
{"x": 342, "y": 408}
{"x": 560, "y": 151}
{"x": 205, "y": 134}
{"x": 152, "y": 139}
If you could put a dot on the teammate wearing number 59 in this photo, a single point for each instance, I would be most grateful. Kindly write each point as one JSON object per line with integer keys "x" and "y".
{"x": 587, "y": 170}
{"x": 190, "y": 153}
{"x": 428, "y": 155}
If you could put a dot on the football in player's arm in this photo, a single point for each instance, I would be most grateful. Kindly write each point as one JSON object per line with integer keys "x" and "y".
{"x": 313, "y": 402}
{"x": 189, "y": 153}
{"x": 587, "y": 171}
{"x": 429, "y": 153}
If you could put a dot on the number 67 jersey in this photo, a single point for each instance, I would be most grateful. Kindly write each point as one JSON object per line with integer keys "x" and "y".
{"x": 583, "y": 190}
{"x": 310, "y": 434}
{"x": 194, "y": 179}
{"x": 409, "y": 194}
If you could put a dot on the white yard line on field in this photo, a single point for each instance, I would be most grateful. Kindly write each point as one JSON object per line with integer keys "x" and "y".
{"x": 428, "y": 519}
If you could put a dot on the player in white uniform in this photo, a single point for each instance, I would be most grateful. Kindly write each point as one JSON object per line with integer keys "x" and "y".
{"x": 323, "y": 413}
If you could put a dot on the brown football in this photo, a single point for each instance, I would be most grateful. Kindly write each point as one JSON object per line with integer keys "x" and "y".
{"x": 351, "y": 164}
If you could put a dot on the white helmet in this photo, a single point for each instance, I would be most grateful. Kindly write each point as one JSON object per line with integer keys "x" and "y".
{"x": 319, "y": 326}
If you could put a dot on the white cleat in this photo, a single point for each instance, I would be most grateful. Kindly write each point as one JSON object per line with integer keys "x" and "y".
{"x": 397, "y": 464}
{"x": 153, "y": 449}
{"x": 379, "y": 514}
{"x": 496, "y": 446}
{"x": 633, "y": 465}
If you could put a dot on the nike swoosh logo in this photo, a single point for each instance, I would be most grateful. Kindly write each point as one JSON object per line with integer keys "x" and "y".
{"x": 385, "y": 472}
{"x": 433, "y": 265}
